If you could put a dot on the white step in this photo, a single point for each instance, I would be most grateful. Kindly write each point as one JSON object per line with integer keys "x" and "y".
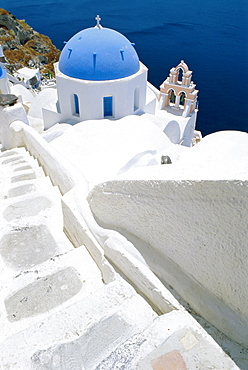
{"x": 46, "y": 202}
{"x": 26, "y": 187}
{"x": 25, "y": 247}
{"x": 12, "y": 152}
{"x": 17, "y": 166}
{"x": 80, "y": 335}
{"x": 173, "y": 341}
{"x": 33, "y": 294}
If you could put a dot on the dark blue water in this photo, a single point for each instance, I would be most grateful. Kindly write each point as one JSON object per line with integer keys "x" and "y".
{"x": 210, "y": 35}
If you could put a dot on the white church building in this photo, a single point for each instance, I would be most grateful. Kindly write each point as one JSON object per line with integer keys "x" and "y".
{"x": 99, "y": 75}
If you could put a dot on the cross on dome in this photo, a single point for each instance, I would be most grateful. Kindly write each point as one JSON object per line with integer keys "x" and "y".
{"x": 98, "y": 22}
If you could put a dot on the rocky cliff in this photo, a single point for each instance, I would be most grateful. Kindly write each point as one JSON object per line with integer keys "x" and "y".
{"x": 23, "y": 46}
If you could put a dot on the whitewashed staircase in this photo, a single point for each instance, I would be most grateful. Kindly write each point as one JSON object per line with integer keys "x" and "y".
{"x": 51, "y": 292}
{"x": 56, "y": 312}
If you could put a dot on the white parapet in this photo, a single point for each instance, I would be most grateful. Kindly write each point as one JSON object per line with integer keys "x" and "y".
{"x": 8, "y": 115}
{"x": 193, "y": 235}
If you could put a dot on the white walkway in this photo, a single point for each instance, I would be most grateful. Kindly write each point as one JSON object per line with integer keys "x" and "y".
{"x": 56, "y": 312}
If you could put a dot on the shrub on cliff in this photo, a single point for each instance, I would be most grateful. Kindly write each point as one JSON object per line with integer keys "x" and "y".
{"x": 23, "y": 46}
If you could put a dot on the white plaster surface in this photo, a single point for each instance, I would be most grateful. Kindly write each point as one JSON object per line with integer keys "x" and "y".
{"x": 123, "y": 255}
{"x": 220, "y": 156}
{"x": 186, "y": 222}
{"x": 46, "y": 98}
{"x": 9, "y": 115}
{"x": 102, "y": 148}
{"x": 61, "y": 171}
{"x": 179, "y": 129}
{"x": 68, "y": 326}
{"x": 13, "y": 113}
{"x": 26, "y": 95}
{"x": 56, "y": 131}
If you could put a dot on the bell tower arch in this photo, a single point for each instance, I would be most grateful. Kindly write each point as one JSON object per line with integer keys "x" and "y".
{"x": 185, "y": 95}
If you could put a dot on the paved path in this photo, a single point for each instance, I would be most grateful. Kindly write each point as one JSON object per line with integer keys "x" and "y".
{"x": 56, "y": 312}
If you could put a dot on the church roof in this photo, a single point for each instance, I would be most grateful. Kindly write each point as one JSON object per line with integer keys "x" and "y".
{"x": 98, "y": 54}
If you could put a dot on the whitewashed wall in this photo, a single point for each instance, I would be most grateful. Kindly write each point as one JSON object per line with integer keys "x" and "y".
{"x": 193, "y": 235}
{"x": 91, "y": 93}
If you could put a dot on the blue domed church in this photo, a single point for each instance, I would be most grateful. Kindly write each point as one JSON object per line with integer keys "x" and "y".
{"x": 98, "y": 76}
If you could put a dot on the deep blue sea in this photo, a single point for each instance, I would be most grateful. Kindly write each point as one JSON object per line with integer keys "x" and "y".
{"x": 210, "y": 35}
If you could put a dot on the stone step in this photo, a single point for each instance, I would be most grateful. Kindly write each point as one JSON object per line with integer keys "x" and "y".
{"x": 28, "y": 164}
{"x": 31, "y": 217}
{"x": 172, "y": 341}
{"x": 18, "y": 160}
{"x": 80, "y": 335}
{"x": 22, "y": 182}
{"x": 13, "y": 152}
{"x": 27, "y": 187}
{"x": 25, "y": 245}
{"x": 13, "y": 155}
{"x": 18, "y": 166}
{"x": 45, "y": 202}
{"x": 16, "y": 157}
{"x": 35, "y": 293}
{"x": 26, "y": 175}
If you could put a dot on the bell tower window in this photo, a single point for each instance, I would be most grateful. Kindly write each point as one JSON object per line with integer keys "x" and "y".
{"x": 180, "y": 75}
{"x": 172, "y": 96}
{"x": 182, "y": 98}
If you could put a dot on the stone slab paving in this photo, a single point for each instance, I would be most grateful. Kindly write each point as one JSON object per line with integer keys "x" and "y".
{"x": 29, "y": 206}
{"x": 173, "y": 341}
{"x": 27, "y": 187}
{"x": 172, "y": 360}
{"x": 36, "y": 199}
{"x": 34, "y": 294}
{"x": 82, "y": 334}
{"x": 31, "y": 220}
{"x": 50, "y": 291}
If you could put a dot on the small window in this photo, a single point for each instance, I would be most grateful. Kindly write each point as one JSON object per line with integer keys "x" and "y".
{"x": 136, "y": 99}
{"x": 108, "y": 106}
{"x": 76, "y": 105}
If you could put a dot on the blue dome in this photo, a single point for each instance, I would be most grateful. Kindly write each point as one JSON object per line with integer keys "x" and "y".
{"x": 98, "y": 54}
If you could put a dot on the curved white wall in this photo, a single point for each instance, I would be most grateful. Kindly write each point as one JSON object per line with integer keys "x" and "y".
{"x": 197, "y": 240}
{"x": 91, "y": 93}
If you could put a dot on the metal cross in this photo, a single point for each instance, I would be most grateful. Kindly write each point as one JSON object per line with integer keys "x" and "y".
{"x": 98, "y": 21}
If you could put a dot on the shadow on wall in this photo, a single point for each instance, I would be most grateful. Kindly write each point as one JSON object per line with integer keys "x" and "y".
{"x": 188, "y": 133}
{"x": 146, "y": 158}
{"x": 172, "y": 131}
